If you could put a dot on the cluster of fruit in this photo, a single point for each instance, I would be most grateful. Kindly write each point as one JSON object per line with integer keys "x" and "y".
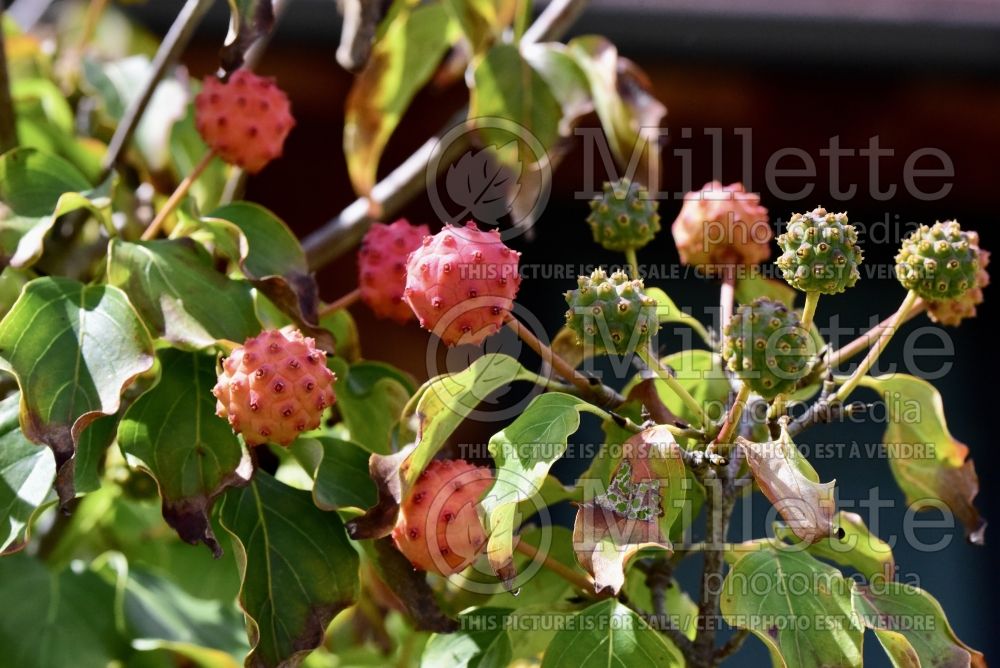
{"x": 460, "y": 284}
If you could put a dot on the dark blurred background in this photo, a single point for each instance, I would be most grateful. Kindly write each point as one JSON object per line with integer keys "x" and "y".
{"x": 915, "y": 73}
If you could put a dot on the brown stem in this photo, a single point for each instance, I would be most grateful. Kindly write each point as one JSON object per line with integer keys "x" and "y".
{"x": 8, "y": 128}
{"x": 581, "y": 582}
{"x": 341, "y": 303}
{"x": 733, "y": 417}
{"x": 409, "y": 179}
{"x": 589, "y": 386}
{"x": 182, "y": 189}
{"x": 95, "y": 10}
{"x": 719, "y": 499}
{"x": 732, "y": 645}
{"x": 173, "y": 44}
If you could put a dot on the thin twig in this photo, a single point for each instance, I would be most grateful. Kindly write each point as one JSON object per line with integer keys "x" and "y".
{"x": 883, "y": 340}
{"x": 607, "y": 397}
{"x": 727, "y": 297}
{"x": 578, "y": 580}
{"x": 178, "y": 194}
{"x": 341, "y": 303}
{"x": 732, "y": 645}
{"x": 8, "y": 127}
{"x": 868, "y": 338}
{"x": 173, "y": 44}
{"x": 388, "y": 196}
{"x": 667, "y": 376}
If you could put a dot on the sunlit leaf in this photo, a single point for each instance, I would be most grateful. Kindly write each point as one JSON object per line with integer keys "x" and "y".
{"x": 73, "y": 349}
{"x": 406, "y": 53}
{"x": 912, "y": 627}
{"x": 274, "y": 262}
{"x": 26, "y": 475}
{"x": 857, "y": 547}
{"x": 482, "y": 641}
{"x": 609, "y": 634}
{"x": 524, "y": 451}
{"x": 769, "y": 589}
{"x": 340, "y": 470}
{"x": 370, "y": 398}
{"x": 37, "y": 188}
{"x": 930, "y": 465}
{"x": 179, "y": 294}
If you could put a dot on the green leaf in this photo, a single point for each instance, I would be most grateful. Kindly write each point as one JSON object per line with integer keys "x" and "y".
{"x": 172, "y": 432}
{"x": 629, "y": 114}
{"x": 179, "y": 294}
{"x": 524, "y": 452}
{"x": 186, "y": 150}
{"x": 274, "y": 262}
{"x": 681, "y": 611}
{"x": 345, "y": 334}
{"x": 769, "y": 589}
{"x": 508, "y": 87}
{"x": 859, "y": 548}
{"x": 26, "y": 475}
{"x": 37, "y": 188}
{"x": 792, "y": 486}
{"x": 73, "y": 348}
{"x": 11, "y": 282}
{"x": 751, "y": 287}
{"x": 482, "y": 21}
{"x": 446, "y": 400}
{"x": 926, "y": 460}
{"x": 91, "y": 449}
{"x": 701, "y": 374}
{"x": 64, "y": 619}
{"x": 912, "y": 627}
{"x": 370, "y": 398}
{"x": 340, "y": 471}
{"x": 297, "y": 566}
{"x": 567, "y": 82}
{"x": 608, "y": 634}
{"x": 411, "y": 43}
{"x": 482, "y": 641}
{"x": 668, "y": 311}
{"x": 161, "y": 615}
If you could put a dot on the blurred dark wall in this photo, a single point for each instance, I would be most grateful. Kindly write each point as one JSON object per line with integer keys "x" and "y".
{"x": 802, "y": 100}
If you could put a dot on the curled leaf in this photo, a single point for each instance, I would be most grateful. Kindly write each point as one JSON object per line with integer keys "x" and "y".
{"x": 792, "y": 486}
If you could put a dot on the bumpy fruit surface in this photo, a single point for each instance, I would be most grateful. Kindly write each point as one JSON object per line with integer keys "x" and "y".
{"x": 382, "y": 267}
{"x": 611, "y": 313}
{"x": 765, "y": 345}
{"x": 461, "y": 283}
{"x": 722, "y": 226}
{"x": 939, "y": 262}
{"x": 820, "y": 252}
{"x": 244, "y": 120}
{"x": 624, "y": 217}
{"x": 951, "y": 312}
{"x": 438, "y": 528}
{"x": 274, "y": 387}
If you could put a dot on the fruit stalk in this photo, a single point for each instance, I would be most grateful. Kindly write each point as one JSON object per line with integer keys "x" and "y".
{"x": 581, "y": 582}
{"x": 883, "y": 340}
{"x": 664, "y": 374}
{"x": 175, "y": 198}
{"x": 587, "y": 386}
{"x": 809, "y": 308}
{"x": 727, "y": 297}
{"x": 865, "y": 340}
{"x": 733, "y": 417}
{"x": 341, "y": 303}
{"x": 633, "y": 262}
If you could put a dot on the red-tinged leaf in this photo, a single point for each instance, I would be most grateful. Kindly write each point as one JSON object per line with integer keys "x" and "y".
{"x": 605, "y": 542}
{"x": 792, "y": 486}
{"x": 377, "y": 522}
{"x": 949, "y": 476}
{"x": 912, "y": 627}
{"x": 410, "y": 586}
